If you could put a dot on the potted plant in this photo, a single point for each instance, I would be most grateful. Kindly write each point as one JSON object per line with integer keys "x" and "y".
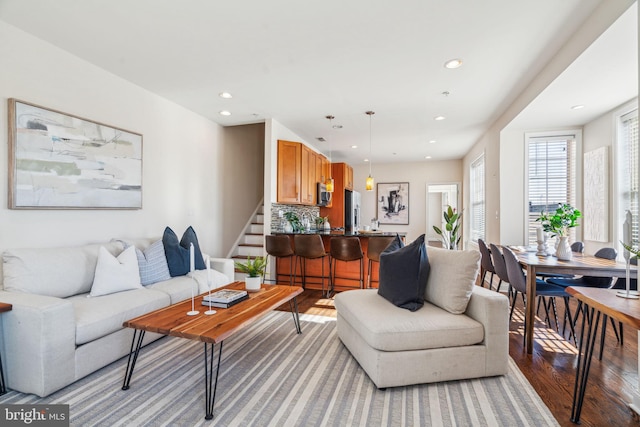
{"x": 254, "y": 269}
{"x": 451, "y": 234}
{"x": 558, "y": 224}
{"x": 322, "y": 223}
{"x": 294, "y": 220}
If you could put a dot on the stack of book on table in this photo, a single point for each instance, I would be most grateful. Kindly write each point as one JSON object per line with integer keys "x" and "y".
{"x": 224, "y": 298}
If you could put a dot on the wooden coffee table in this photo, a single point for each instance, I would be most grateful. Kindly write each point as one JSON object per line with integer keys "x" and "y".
{"x": 210, "y": 329}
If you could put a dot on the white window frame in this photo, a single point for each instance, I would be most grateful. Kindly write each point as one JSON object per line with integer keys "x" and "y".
{"x": 576, "y": 233}
{"x": 478, "y": 234}
{"x": 619, "y": 207}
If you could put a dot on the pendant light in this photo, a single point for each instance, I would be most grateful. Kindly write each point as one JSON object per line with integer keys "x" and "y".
{"x": 369, "y": 183}
{"x": 329, "y": 183}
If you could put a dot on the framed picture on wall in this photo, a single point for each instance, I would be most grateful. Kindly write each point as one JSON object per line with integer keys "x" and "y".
{"x": 61, "y": 161}
{"x": 392, "y": 200}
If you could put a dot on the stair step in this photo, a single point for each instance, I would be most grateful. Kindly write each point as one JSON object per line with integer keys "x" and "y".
{"x": 253, "y": 239}
{"x": 252, "y": 242}
{"x": 250, "y": 250}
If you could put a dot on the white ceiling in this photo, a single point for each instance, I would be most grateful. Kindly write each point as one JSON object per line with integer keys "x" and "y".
{"x": 297, "y": 61}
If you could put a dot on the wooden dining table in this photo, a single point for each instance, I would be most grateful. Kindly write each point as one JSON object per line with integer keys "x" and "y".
{"x": 602, "y": 302}
{"x": 580, "y": 264}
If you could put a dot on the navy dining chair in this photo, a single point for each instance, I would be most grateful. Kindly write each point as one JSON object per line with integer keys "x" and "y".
{"x": 518, "y": 280}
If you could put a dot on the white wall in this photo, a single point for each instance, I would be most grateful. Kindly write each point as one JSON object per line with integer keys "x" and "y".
{"x": 243, "y": 176}
{"x": 489, "y": 144}
{"x": 601, "y": 132}
{"x": 418, "y": 175}
{"x": 498, "y": 187}
{"x": 186, "y": 178}
{"x": 513, "y": 181}
{"x": 512, "y": 175}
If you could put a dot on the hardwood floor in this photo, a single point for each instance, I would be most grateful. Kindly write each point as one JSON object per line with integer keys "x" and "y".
{"x": 551, "y": 368}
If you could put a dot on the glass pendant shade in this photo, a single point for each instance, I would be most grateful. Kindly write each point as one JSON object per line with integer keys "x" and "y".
{"x": 329, "y": 185}
{"x": 369, "y": 184}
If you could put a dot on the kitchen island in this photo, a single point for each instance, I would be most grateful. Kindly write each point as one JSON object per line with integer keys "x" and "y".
{"x": 343, "y": 269}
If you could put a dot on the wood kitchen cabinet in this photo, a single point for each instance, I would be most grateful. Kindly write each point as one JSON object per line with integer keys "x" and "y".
{"x": 326, "y": 169}
{"x": 348, "y": 180}
{"x": 308, "y": 173}
{"x": 299, "y": 170}
{"x": 289, "y": 171}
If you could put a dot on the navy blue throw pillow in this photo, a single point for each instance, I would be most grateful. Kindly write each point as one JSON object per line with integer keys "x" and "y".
{"x": 177, "y": 253}
{"x": 403, "y": 274}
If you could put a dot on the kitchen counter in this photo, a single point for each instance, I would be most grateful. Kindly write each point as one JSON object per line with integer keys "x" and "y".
{"x": 347, "y": 234}
{"x": 344, "y": 270}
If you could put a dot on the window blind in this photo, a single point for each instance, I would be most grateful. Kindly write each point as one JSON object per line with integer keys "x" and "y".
{"x": 628, "y": 163}
{"x": 477, "y": 220}
{"x": 551, "y": 181}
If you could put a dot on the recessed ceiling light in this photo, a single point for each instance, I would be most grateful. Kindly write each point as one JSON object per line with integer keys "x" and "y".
{"x": 438, "y": 118}
{"x": 433, "y": 141}
{"x": 354, "y": 146}
{"x": 366, "y": 160}
{"x": 453, "y": 63}
{"x": 225, "y": 95}
{"x": 225, "y": 113}
{"x": 577, "y": 107}
{"x": 427, "y": 157}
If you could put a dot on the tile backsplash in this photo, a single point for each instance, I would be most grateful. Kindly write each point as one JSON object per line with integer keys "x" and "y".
{"x": 277, "y": 223}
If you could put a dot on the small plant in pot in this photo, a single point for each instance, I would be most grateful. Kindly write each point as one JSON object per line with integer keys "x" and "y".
{"x": 254, "y": 269}
{"x": 322, "y": 223}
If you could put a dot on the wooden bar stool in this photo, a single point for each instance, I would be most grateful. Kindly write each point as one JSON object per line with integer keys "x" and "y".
{"x": 376, "y": 246}
{"x": 344, "y": 249}
{"x": 308, "y": 246}
{"x": 279, "y": 246}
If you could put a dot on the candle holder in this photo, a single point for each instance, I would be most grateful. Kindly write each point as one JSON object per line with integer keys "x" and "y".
{"x": 626, "y": 232}
{"x": 628, "y": 293}
{"x": 547, "y": 243}
{"x": 542, "y": 248}
{"x": 209, "y": 312}
{"x": 193, "y": 311}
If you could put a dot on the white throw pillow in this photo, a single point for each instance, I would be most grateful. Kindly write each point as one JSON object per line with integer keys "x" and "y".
{"x": 116, "y": 274}
{"x": 452, "y": 277}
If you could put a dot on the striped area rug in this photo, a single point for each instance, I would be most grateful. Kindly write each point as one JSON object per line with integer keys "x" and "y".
{"x": 272, "y": 377}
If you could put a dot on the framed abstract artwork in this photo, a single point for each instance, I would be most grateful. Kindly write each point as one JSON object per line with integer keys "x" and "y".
{"x": 392, "y": 201}
{"x": 61, "y": 161}
{"x": 595, "y": 215}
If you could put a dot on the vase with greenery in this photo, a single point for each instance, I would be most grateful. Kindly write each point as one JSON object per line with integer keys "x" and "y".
{"x": 322, "y": 223}
{"x": 254, "y": 269}
{"x": 558, "y": 224}
{"x": 451, "y": 234}
{"x": 294, "y": 220}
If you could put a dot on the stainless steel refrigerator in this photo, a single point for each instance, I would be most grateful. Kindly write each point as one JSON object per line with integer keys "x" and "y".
{"x": 351, "y": 211}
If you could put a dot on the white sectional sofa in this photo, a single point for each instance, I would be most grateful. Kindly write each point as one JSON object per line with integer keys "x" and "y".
{"x": 462, "y": 331}
{"x": 55, "y": 334}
